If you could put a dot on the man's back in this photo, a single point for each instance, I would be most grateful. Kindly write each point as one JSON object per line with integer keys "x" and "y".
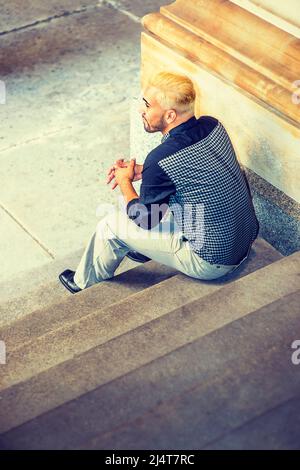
{"x": 195, "y": 171}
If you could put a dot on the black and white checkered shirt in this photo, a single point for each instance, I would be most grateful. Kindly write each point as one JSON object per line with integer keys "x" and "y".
{"x": 195, "y": 172}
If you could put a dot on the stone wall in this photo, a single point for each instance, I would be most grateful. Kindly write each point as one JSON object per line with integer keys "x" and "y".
{"x": 246, "y": 71}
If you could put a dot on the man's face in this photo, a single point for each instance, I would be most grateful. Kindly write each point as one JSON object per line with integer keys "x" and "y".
{"x": 152, "y": 113}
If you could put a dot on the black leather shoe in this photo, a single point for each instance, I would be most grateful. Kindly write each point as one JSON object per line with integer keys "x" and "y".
{"x": 67, "y": 279}
{"x": 137, "y": 257}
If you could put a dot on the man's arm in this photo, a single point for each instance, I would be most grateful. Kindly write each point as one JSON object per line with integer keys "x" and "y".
{"x": 138, "y": 169}
{"x": 156, "y": 189}
{"x": 128, "y": 190}
{"x": 124, "y": 177}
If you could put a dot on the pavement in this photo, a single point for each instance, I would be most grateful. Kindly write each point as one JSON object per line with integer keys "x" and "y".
{"x": 70, "y": 69}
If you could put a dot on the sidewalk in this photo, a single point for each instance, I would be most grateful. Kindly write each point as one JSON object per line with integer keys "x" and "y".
{"x": 69, "y": 75}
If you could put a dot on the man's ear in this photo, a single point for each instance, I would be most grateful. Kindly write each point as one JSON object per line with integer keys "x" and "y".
{"x": 171, "y": 116}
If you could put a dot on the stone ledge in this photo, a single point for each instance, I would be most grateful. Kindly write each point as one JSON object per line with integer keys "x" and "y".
{"x": 280, "y": 14}
{"x": 278, "y": 214}
{"x": 273, "y": 194}
{"x": 265, "y": 142}
{"x": 258, "y": 58}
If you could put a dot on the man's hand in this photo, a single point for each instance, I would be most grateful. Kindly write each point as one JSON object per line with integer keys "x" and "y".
{"x": 125, "y": 173}
{"x": 122, "y": 164}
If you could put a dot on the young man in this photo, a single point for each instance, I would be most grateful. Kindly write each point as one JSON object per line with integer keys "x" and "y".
{"x": 193, "y": 176}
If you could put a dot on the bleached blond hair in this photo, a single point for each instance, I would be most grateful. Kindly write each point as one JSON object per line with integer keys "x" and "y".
{"x": 174, "y": 91}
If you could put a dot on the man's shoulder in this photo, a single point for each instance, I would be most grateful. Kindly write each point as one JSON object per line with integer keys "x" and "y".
{"x": 201, "y": 129}
{"x": 163, "y": 150}
{"x": 179, "y": 140}
{"x": 209, "y": 120}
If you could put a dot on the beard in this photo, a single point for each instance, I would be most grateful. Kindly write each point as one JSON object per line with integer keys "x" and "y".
{"x": 158, "y": 126}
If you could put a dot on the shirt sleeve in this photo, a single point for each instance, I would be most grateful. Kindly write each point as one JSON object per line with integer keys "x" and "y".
{"x": 156, "y": 189}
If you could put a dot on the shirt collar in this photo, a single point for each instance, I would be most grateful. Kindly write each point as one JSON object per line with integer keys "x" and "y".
{"x": 164, "y": 138}
{"x": 180, "y": 128}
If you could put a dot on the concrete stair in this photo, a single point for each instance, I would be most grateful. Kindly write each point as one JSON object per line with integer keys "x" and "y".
{"x": 38, "y": 288}
{"x": 155, "y": 359}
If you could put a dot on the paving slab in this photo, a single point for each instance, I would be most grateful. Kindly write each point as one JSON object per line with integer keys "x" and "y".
{"x": 25, "y": 252}
{"x": 61, "y": 186}
{"x": 65, "y": 120}
{"x": 138, "y": 7}
{"x": 66, "y": 72}
{"x": 15, "y": 14}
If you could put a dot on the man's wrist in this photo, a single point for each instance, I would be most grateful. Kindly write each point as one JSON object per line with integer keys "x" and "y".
{"x": 125, "y": 180}
{"x": 127, "y": 189}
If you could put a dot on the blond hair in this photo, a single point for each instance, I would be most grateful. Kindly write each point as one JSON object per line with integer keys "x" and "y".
{"x": 174, "y": 91}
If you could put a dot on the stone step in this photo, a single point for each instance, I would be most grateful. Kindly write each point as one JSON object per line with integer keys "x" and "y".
{"x": 27, "y": 281}
{"x": 55, "y": 334}
{"x": 129, "y": 340}
{"x": 183, "y": 400}
{"x": 39, "y": 288}
{"x": 42, "y": 320}
{"x": 240, "y": 373}
{"x": 72, "y": 308}
{"x": 276, "y": 429}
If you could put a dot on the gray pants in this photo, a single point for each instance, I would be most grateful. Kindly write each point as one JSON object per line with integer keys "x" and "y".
{"x": 116, "y": 235}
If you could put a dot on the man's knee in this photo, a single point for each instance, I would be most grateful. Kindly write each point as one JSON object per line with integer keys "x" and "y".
{"x": 111, "y": 223}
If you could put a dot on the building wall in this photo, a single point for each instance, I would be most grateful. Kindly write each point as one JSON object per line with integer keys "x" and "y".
{"x": 245, "y": 71}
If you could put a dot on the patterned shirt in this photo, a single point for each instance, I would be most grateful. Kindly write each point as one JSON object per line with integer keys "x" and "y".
{"x": 195, "y": 173}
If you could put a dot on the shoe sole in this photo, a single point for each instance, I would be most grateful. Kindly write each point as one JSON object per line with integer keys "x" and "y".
{"x": 66, "y": 285}
{"x": 138, "y": 258}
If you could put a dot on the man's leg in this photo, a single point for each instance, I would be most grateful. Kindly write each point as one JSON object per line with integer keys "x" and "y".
{"x": 115, "y": 236}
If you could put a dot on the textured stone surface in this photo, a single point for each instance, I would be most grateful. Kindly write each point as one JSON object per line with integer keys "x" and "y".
{"x": 281, "y": 14}
{"x": 39, "y": 288}
{"x": 255, "y": 375}
{"x": 273, "y": 194}
{"x": 278, "y": 214}
{"x": 256, "y": 57}
{"x": 50, "y": 307}
{"x": 65, "y": 120}
{"x": 15, "y": 14}
{"x": 36, "y": 316}
{"x": 26, "y": 294}
{"x": 138, "y": 7}
{"x": 109, "y": 339}
{"x": 23, "y": 253}
{"x": 264, "y": 142}
{"x": 69, "y": 67}
{"x": 278, "y": 428}
{"x": 184, "y": 400}
{"x": 279, "y": 228}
